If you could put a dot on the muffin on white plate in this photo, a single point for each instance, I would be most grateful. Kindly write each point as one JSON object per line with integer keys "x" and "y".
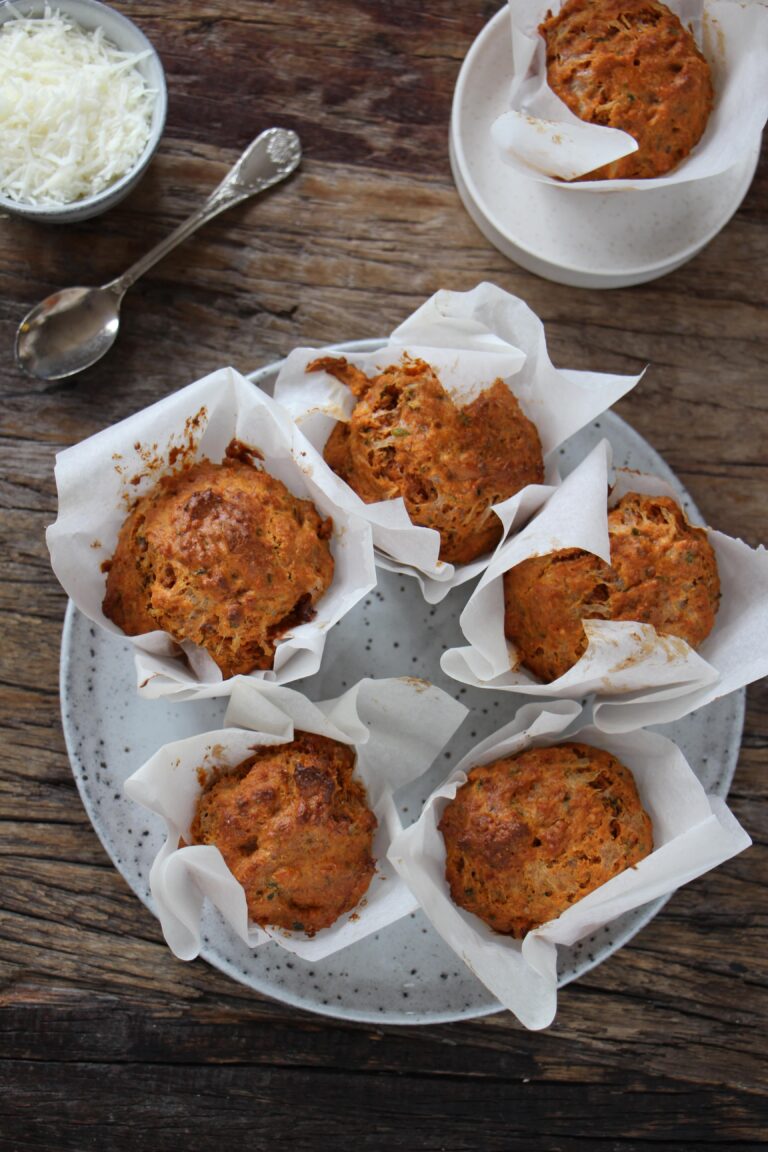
{"x": 631, "y": 65}
{"x": 223, "y": 555}
{"x": 205, "y": 529}
{"x": 549, "y": 881}
{"x": 406, "y": 428}
{"x": 450, "y": 463}
{"x": 622, "y": 597}
{"x": 282, "y": 819}
{"x": 644, "y": 96}
{"x": 529, "y": 835}
{"x": 662, "y": 572}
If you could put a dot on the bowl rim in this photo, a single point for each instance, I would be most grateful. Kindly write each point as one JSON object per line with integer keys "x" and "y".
{"x": 75, "y": 208}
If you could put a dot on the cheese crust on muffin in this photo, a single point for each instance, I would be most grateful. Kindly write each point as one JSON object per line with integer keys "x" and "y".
{"x": 630, "y": 64}
{"x": 295, "y": 830}
{"x": 406, "y": 437}
{"x": 530, "y": 835}
{"x": 663, "y": 572}
{"x": 222, "y": 555}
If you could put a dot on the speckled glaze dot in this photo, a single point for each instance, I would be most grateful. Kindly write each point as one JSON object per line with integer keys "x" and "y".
{"x": 405, "y": 974}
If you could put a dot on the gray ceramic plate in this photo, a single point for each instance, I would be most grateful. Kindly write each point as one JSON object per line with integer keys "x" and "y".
{"x": 405, "y": 974}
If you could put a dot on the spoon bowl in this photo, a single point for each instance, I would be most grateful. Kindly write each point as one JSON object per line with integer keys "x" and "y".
{"x": 68, "y": 331}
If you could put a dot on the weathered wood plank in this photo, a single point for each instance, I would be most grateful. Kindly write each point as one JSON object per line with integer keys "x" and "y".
{"x": 455, "y": 1113}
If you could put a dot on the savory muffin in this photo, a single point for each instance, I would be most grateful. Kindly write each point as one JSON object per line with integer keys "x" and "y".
{"x": 663, "y": 572}
{"x": 630, "y": 64}
{"x": 223, "y": 555}
{"x": 406, "y": 437}
{"x": 529, "y": 835}
{"x": 295, "y": 830}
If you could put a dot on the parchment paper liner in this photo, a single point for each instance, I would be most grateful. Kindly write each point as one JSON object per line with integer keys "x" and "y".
{"x": 541, "y": 138}
{"x": 397, "y": 728}
{"x": 693, "y": 832}
{"x": 640, "y": 678}
{"x": 471, "y": 339}
{"x": 101, "y": 477}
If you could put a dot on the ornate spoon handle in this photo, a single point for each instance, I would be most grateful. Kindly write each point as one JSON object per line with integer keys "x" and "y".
{"x": 270, "y": 158}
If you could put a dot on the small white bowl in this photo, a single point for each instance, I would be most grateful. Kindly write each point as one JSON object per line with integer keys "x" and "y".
{"x": 585, "y": 239}
{"x": 118, "y": 29}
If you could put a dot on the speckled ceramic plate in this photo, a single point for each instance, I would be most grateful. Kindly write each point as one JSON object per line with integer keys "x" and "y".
{"x": 583, "y": 238}
{"x": 405, "y": 974}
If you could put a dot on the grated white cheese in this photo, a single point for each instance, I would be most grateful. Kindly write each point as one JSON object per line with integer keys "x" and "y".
{"x": 75, "y": 112}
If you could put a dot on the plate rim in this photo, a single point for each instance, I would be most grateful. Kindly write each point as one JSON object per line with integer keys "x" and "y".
{"x": 646, "y": 912}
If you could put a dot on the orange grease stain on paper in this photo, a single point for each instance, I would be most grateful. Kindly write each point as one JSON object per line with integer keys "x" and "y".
{"x": 713, "y": 40}
{"x": 415, "y": 682}
{"x": 212, "y": 768}
{"x": 180, "y": 450}
{"x": 672, "y": 647}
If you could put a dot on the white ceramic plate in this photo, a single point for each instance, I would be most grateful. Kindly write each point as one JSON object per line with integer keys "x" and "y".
{"x": 582, "y": 238}
{"x": 405, "y": 974}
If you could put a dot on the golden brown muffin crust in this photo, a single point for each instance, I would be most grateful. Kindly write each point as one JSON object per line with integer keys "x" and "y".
{"x": 529, "y": 835}
{"x": 630, "y": 64}
{"x": 223, "y": 555}
{"x": 663, "y": 572}
{"x": 406, "y": 437}
{"x": 295, "y": 829}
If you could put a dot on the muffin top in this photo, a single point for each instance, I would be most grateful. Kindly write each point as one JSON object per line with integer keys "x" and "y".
{"x": 630, "y": 64}
{"x": 223, "y": 555}
{"x": 530, "y": 835}
{"x": 406, "y": 437}
{"x": 294, "y": 828}
{"x": 663, "y": 572}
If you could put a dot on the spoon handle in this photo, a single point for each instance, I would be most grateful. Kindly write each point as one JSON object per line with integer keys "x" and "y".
{"x": 270, "y": 158}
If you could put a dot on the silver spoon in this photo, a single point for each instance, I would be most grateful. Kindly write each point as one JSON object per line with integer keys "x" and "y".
{"x": 73, "y": 328}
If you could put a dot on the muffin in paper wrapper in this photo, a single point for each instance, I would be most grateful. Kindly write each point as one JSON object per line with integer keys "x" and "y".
{"x": 541, "y": 138}
{"x": 638, "y": 676}
{"x": 396, "y": 727}
{"x": 99, "y": 479}
{"x": 692, "y": 832}
{"x": 470, "y": 339}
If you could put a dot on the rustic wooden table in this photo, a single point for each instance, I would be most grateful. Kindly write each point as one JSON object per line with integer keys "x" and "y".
{"x": 107, "y": 1041}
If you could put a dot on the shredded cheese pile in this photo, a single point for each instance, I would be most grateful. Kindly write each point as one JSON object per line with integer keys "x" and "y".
{"x": 75, "y": 112}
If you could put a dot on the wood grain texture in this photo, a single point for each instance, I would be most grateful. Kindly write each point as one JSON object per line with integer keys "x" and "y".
{"x": 107, "y": 1042}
